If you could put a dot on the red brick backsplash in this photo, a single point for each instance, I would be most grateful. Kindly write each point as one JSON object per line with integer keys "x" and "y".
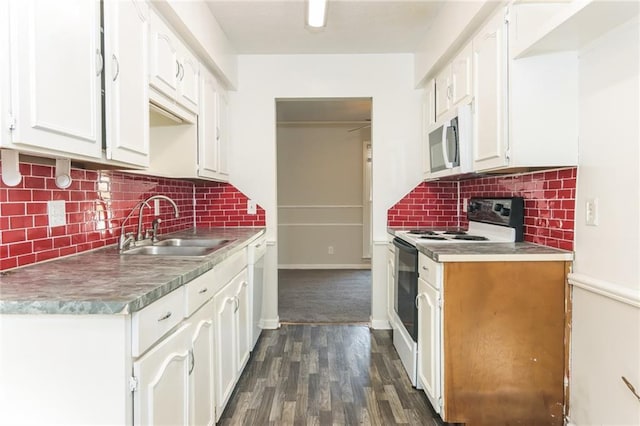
{"x": 430, "y": 204}
{"x": 221, "y": 204}
{"x": 96, "y": 204}
{"x": 549, "y": 204}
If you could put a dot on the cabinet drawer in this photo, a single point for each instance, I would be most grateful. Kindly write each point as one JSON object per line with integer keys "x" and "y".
{"x": 198, "y": 291}
{"x": 230, "y": 267}
{"x": 429, "y": 270}
{"x": 154, "y": 321}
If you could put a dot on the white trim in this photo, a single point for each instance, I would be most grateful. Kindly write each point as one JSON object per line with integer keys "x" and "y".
{"x": 381, "y": 242}
{"x": 327, "y": 266}
{"x": 270, "y": 324}
{"x": 320, "y": 224}
{"x": 607, "y": 289}
{"x": 380, "y": 324}
{"x": 322, "y": 206}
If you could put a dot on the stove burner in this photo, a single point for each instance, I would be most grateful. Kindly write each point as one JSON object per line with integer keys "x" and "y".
{"x": 432, "y": 237}
{"x": 470, "y": 238}
{"x": 456, "y": 232}
{"x": 421, "y": 232}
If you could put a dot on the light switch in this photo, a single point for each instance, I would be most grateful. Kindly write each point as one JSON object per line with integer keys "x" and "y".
{"x": 591, "y": 212}
{"x": 252, "y": 207}
{"x": 57, "y": 213}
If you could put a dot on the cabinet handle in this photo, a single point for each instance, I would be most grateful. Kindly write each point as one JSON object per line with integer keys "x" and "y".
{"x": 100, "y": 62}
{"x": 177, "y": 68}
{"x": 181, "y": 72}
{"x": 425, "y": 268}
{"x": 217, "y": 133}
{"x": 237, "y": 304}
{"x": 117, "y": 64}
{"x": 165, "y": 316}
{"x": 203, "y": 290}
{"x": 192, "y": 361}
{"x": 449, "y": 92}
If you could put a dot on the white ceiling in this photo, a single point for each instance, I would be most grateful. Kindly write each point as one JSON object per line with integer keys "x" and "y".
{"x": 353, "y": 26}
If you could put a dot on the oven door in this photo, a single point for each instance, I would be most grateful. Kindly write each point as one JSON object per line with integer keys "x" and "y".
{"x": 406, "y": 286}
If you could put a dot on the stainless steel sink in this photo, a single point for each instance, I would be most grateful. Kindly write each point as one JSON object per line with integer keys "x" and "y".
{"x": 192, "y": 242}
{"x": 193, "y": 247}
{"x": 171, "y": 250}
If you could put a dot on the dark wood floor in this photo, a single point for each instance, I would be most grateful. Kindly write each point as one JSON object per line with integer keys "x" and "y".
{"x": 326, "y": 375}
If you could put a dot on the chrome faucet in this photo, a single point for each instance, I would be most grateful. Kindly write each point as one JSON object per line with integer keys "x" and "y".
{"x": 126, "y": 239}
{"x": 146, "y": 203}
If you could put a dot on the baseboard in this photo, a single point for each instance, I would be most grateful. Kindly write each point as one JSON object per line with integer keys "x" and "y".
{"x": 326, "y": 266}
{"x": 270, "y": 324}
{"x": 379, "y": 324}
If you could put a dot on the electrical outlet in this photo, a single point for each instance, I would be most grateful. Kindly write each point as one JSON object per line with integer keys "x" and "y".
{"x": 465, "y": 206}
{"x": 330, "y": 250}
{"x": 57, "y": 213}
{"x": 591, "y": 212}
{"x": 252, "y": 207}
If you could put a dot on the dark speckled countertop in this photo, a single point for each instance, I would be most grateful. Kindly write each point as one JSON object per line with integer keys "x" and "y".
{"x": 105, "y": 282}
{"x": 489, "y": 252}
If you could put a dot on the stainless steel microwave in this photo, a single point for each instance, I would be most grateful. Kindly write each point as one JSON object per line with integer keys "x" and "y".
{"x": 450, "y": 143}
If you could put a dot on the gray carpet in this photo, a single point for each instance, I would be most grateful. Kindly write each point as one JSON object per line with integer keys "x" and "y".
{"x": 324, "y": 295}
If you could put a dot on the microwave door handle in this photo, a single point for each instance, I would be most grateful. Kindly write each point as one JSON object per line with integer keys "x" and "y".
{"x": 445, "y": 147}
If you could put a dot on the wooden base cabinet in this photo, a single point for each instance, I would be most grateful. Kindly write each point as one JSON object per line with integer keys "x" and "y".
{"x": 503, "y": 346}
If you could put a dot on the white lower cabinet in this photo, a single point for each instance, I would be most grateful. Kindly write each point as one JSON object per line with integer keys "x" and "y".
{"x": 201, "y": 376}
{"x": 162, "y": 374}
{"x": 232, "y": 336}
{"x": 429, "y": 339}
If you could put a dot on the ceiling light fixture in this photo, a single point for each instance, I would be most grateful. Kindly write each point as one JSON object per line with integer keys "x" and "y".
{"x": 317, "y": 13}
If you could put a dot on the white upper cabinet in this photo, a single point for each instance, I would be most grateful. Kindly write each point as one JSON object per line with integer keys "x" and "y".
{"x": 525, "y": 110}
{"x": 489, "y": 86}
{"x": 127, "y": 81}
{"x": 428, "y": 120}
{"x": 56, "y": 65}
{"x": 174, "y": 71}
{"x": 212, "y": 141}
{"x": 453, "y": 84}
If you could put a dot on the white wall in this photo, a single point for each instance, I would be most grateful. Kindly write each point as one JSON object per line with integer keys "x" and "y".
{"x": 320, "y": 191}
{"x": 387, "y": 79}
{"x": 606, "y": 305}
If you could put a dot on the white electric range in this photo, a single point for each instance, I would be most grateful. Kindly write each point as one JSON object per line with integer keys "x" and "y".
{"x": 491, "y": 220}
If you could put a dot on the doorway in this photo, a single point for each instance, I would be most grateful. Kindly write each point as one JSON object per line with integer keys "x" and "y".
{"x": 324, "y": 207}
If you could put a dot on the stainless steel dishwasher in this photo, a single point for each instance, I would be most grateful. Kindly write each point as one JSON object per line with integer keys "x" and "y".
{"x": 255, "y": 255}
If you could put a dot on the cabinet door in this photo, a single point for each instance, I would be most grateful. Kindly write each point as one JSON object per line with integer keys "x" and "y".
{"x": 127, "y": 81}
{"x": 188, "y": 80}
{"x": 162, "y": 373}
{"x": 243, "y": 312}
{"x": 461, "y": 76}
{"x": 163, "y": 56}
{"x": 443, "y": 92}
{"x": 429, "y": 342}
{"x": 489, "y": 86}
{"x": 223, "y": 134}
{"x": 226, "y": 345}
{"x": 4, "y": 73}
{"x": 201, "y": 379}
{"x": 428, "y": 120}
{"x": 56, "y": 62}
{"x": 207, "y": 127}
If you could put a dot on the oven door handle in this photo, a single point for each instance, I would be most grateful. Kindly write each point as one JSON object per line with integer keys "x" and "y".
{"x": 403, "y": 245}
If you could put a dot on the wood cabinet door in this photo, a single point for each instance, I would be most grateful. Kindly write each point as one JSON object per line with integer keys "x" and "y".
{"x": 489, "y": 87}
{"x": 226, "y": 345}
{"x": 163, "y": 55}
{"x": 201, "y": 379}
{"x": 57, "y": 63}
{"x": 429, "y": 342}
{"x": 162, "y": 397}
{"x": 127, "y": 81}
